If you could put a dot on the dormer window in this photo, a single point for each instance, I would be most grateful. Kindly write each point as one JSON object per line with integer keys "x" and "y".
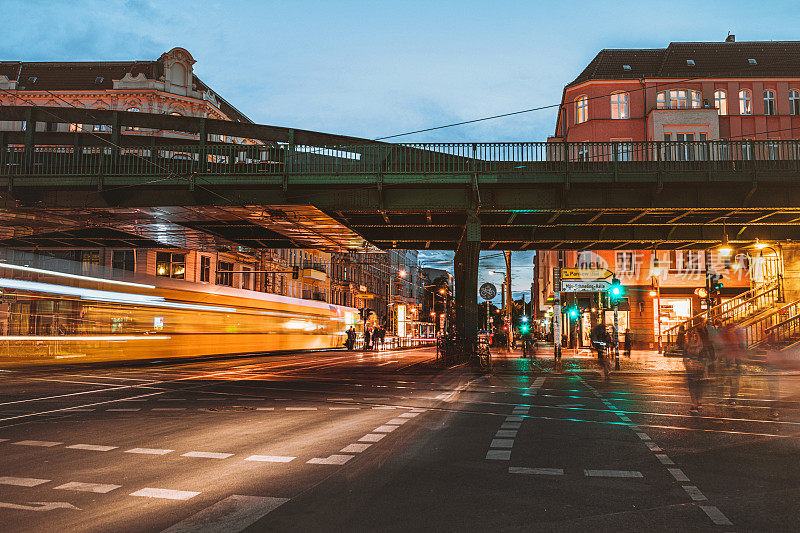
{"x": 690, "y": 62}
{"x": 98, "y": 80}
{"x": 752, "y": 61}
{"x": 626, "y": 67}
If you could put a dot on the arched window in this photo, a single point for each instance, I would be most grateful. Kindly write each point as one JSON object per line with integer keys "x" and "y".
{"x": 721, "y": 101}
{"x": 769, "y": 102}
{"x": 697, "y": 99}
{"x": 581, "y": 109}
{"x": 619, "y": 105}
{"x": 794, "y": 102}
{"x": 745, "y": 102}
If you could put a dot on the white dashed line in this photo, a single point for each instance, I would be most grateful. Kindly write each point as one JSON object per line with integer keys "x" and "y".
{"x": 92, "y": 447}
{"x": 207, "y": 455}
{"x": 125, "y": 409}
{"x": 331, "y": 460}
{"x": 510, "y": 425}
{"x": 22, "y": 481}
{"x": 694, "y": 493}
{"x": 512, "y": 433}
{"x": 45, "y": 443}
{"x": 149, "y": 451}
{"x": 344, "y": 408}
{"x": 514, "y": 419}
{"x": 385, "y": 407}
{"x": 612, "y": 473}
{"x": 264, "y": 409}
{"x": 168, "y": 409}
{"x": 716, "y": 515}
{"x": 643, "y": 436}
{"x": 502, "y": 443}
{"x": 371, "y": 437}
{"x": 664, "y": 459}
{"x": 340, "y": 399}
{"x": 232, "y": 514}
{"x": 355, "y": 448}
{"x": 301, "y": 408}
{"x": 270, "y": 458}
{"x": 397, "y": 421}
{"x": 97, "y": 488}
{"x": 536, "y": 471}
{"x": 167, "y": 494}
{"x": 653, "y": 447}
{"x": 678, "y": 474}
{"x": 384, "y": 429}
{"x": 500, "y": 455}
{"x": 79, "y": 410}
{"x": 409, "y": 415}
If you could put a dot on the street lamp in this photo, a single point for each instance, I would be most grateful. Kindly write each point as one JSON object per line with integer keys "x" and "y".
{"x": 656, "y": 275}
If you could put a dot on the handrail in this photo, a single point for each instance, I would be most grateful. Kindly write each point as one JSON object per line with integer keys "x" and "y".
{"x": 279, "y": 158}
{"x": 727, "y": 311}
{"x": 767, "y": 330}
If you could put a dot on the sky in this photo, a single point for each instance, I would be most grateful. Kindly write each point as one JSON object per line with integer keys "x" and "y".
{"x": 377, "y": 68}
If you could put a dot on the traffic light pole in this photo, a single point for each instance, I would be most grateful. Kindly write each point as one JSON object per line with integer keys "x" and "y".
{"x": 616, "y": 336}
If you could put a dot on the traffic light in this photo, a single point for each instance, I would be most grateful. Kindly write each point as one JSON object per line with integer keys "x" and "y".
{"x": 295, "y": 272}
{"x": 524, "y": 319}
{"x": 573, "y": 312}
{"x": 616, "y": 292}
{"x": 714, "y": 283}
{"x": 524, "y": 328}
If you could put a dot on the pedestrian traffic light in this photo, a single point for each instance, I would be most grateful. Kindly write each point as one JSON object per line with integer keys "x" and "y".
{"x": 295, "y": 272}
{"x": 716, "y": 283}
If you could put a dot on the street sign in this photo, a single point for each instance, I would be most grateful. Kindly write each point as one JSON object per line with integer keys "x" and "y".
{"x": 586, "y": 274}
{"x": 584, "y": 286}
{"x": 487, "y": 291}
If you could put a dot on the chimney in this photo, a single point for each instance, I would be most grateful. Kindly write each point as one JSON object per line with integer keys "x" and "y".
{"x": 731, "y": 38}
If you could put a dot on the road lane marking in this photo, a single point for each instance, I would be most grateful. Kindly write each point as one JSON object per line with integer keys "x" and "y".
{"x": 371, "y": 437}
{"x": 612, "y": 473}
{"x": 167, "y": 494}
{"x": 397, "y": 421}
{"x": 301, "y": 408}
{"x": 344, "y": 408}
{"x": 265, "y": 408}
{"x": 500, "y": 455}
{"x": 506, "y": 433}
{"x": 510, "y": 425}
{"x": 207, "y": 455}
{"x": 125, "y": 410}
{"x": 653, "y": 447}
{"x": 22, "y": 481}
{"x": 335, "y": 459}
{"x": 92, "y": 447}
{"x": 44, "y": 443}
{"x": 514, "y": 419}
{"x": 98, "y": 488}
{"x": 384, "y": 429}
{"x": 355, "y": 448}
{"x": 694, "y": 493}
{"x": 168, "y": 409}
{"x": 665, "y": 460}
{"x": 271, "y": 458}
{"x": 716, "y": 515}
{"x": 149, "y": 451}
{"x": 233, "y": 514}
{"x": 385, "y": 407}
{"x": 409, "y": 415}
{"x": 536, "y": 471}
{"x": 643, "y": 436}
{"x": 173, "y": 399}
{"x": 341, "y": 399}
{"x": 77, "y": 410}
{"x": 678, "y": 474}
{"x": 502, "y": 443}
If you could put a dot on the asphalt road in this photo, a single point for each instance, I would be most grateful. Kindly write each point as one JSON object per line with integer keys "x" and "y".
{"x": 391, "y": 441}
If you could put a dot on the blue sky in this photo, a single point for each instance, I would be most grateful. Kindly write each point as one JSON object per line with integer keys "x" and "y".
{"x": 378, "y": 68}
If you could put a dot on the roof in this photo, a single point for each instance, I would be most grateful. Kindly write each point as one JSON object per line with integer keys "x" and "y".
{"x": 724, "y": 59}
{"x": 95, "y": 75}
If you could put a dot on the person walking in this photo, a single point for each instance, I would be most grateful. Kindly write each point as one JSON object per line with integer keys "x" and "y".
{"x": 628, "y": 342}
{"x": 367, "y": 339}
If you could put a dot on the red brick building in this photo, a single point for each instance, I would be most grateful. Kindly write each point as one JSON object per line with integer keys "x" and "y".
{"x": 692, "y": 91}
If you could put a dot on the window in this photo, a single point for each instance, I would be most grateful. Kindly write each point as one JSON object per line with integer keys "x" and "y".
{"x": 769, "y": 102}
{"x": 684, "y": 261}
{"x": 752, "y": 61}
{"x": 721, "y": 101}
{"x": 90, "y": 261}
{"x": 171, "y": 265}
{"x": 99, "y": 127}
{"x": 225, "y": 273}
{"x": 697, "y": 99}
{"x": 624, "y": 263}
{"x": 621, "y": 149}
{"x": 246, "y": 277}
{"x": 123, "y": 260}
{"x": 685, "y": 146}
{"x": 660, "y": 101}
{"x": 132, "y": 110}
{"x": 581, "y": 109}
{"x": 745, "y": 102}
{"x": 626, "y": 67}
{"x": 794, "y": 102}
{"x": 690, "y": 62}
{"x": 619, "y": 105}
{"x": 746, "y": 151}
{"x": 678, "y": 99}
{"x": 205, "y": 268}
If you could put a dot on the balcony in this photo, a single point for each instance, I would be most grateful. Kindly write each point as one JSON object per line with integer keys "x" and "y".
{"x": 313, "y": 270}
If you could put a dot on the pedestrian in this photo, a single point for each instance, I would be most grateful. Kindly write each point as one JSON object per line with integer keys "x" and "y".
{"x": 628, "y": 342}
{"x": 698, "y": 353}
{"x": 351, "y": 339}
{"x": 367, "y": 339}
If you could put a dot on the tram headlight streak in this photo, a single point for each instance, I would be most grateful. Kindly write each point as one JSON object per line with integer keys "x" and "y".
{"x": 73, "y": 276}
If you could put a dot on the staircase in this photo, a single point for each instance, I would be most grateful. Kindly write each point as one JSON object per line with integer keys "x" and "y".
{"x": 779, "y": 328}
{"x": 747, "y": 309}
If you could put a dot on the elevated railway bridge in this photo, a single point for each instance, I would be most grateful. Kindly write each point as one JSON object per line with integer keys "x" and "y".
{"x": 357, "y": 194}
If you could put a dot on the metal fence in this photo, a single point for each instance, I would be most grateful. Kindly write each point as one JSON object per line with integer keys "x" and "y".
{"x": 420, "y": 158}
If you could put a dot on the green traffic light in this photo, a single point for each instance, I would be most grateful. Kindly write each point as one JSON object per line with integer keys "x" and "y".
{"x": 573, "y": 313}
{"x": 616, "y": 291}
{"x": 524, "y": 329}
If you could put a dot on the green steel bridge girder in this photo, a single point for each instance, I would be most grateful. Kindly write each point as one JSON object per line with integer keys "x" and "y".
{"x": 375, "y": 193}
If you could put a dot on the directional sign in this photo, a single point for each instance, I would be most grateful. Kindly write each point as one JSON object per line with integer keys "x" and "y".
{"x": 586, "y": 274}
{"x": 487, "y": 291}
{"x": 584, "y": 286}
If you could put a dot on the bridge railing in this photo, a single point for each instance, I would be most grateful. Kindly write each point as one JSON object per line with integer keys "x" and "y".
{"x": 419, "y": 158}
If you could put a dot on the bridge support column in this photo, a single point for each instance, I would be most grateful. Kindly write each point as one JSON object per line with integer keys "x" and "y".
{"x": 466, "y": 274}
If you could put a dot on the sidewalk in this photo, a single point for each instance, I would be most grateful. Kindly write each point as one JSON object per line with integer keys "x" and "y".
{"x": 584, "y": 360}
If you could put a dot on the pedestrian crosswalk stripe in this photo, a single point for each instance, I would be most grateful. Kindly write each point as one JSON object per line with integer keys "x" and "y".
{"x": 92, "y": 447}
{"x": 22, "y": 481}
{"x": 167, "y": 494}
{"x": 97, "y": 488}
